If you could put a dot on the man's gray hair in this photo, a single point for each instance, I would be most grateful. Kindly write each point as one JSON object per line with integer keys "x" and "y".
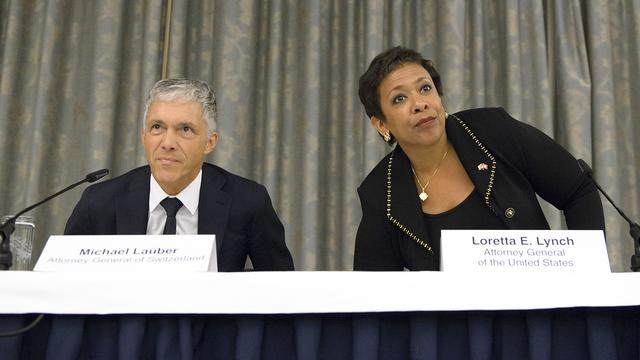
{"x": 185, "y": 90}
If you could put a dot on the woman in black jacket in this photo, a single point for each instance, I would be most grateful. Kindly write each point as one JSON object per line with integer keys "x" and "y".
{"x": 476, "y": 169}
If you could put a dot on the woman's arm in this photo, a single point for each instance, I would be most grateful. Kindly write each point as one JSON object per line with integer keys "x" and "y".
{"x": 374, "y": 249}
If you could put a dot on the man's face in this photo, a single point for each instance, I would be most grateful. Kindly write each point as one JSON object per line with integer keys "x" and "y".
{"x": 176, "y": 142}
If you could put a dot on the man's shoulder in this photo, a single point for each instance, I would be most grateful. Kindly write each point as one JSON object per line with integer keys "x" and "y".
{"x": 133, "y": 178}
{"x": 229, "y": 180}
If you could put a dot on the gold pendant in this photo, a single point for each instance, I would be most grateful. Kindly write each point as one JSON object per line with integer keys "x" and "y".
{"x": 423, "y": 196}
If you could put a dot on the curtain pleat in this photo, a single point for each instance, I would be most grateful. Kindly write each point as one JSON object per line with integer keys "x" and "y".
{"x": 74, "y": 76}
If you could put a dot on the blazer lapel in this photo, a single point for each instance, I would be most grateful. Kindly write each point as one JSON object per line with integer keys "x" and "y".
{"x": 132, "y": 206}
{"x": 477, "y": 160}
{"x": 214, "y": 204}
{"x": 404, "y": 208}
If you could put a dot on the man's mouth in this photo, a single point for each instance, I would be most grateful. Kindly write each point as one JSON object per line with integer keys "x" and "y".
{"x": 167, "y": 161}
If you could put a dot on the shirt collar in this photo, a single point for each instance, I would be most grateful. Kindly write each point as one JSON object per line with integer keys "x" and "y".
{"x": 189, "y": 196}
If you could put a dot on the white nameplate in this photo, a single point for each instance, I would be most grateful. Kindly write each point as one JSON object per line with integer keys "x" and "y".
{"x": 567, "y": 251}
{"x": 142, "y": 253}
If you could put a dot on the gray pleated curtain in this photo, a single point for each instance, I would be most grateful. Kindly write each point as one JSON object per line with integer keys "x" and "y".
{"x": 74, "y": 74}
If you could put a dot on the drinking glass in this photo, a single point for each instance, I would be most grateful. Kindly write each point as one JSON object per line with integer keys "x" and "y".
{"x": 21, "y": 241}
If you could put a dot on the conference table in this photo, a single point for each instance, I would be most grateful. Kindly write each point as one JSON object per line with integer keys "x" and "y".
{"x": 320, "y": 315}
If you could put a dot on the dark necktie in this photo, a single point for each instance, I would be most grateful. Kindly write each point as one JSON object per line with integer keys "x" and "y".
{"x": 171, "y": 206}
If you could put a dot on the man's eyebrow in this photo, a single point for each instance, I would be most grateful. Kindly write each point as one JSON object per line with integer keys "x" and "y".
{"x": 186, "y": 123}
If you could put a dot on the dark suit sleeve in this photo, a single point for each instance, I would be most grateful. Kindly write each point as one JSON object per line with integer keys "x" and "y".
{"x": 374, "y": 250}
{"x": 556, "y": 177}
{"x": 267, "y": 248}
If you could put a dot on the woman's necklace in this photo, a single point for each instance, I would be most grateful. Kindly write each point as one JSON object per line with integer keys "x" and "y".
{"x": 423, "y": 195}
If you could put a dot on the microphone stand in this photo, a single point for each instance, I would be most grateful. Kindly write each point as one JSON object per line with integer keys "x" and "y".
{"x": 634, "y": 231}
{"x": 635, "y": 258}
{"x": 634, "y": 228}
{"x": 7, "y": 228}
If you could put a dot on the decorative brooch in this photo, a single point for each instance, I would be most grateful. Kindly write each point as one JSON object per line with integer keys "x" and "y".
{"x": 483, "y": 166}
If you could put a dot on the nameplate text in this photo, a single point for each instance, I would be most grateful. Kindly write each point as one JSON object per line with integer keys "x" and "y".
{"x": 574, "y": 251}
{"x": 189, "y": 253}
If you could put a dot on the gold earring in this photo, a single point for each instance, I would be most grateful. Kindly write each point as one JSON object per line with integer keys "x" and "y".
{"x": 386, "y": 137}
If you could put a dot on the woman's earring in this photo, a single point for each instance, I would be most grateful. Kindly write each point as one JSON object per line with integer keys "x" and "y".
{"x": 386, "y": 137}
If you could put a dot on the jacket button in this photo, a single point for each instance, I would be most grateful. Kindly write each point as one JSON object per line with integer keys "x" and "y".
{"x": 509, "y": 213}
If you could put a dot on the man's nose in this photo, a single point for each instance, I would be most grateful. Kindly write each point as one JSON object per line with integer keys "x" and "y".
{"x": 169, "y": 140}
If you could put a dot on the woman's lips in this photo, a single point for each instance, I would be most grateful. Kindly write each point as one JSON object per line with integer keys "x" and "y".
{"x": 425, "y": 121}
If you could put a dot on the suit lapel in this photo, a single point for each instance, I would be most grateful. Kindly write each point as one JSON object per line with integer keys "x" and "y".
{"x": 214, "y": 204}
{"x": 477, "y": 160}
{"x": 403, "y": 206}
{"x": 405, "y": 210}
{"x": 132, "y": 206}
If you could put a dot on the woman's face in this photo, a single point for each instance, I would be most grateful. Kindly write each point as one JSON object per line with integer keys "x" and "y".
{"x": 412, "y": 108}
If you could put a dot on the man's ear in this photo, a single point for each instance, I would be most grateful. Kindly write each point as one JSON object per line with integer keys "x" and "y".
{"x": 211, "y": 143}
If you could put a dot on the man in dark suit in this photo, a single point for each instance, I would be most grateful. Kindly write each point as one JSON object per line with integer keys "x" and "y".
{"x": 178, "y": 193}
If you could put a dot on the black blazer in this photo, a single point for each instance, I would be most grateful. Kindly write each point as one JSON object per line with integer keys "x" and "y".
{"x": 237, "y": 210}
{"x": 521, "y": 162}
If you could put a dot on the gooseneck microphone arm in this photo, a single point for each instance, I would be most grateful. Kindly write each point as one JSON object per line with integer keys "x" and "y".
{"x": 6, "y": 229}
{"x": 634, "y": 228}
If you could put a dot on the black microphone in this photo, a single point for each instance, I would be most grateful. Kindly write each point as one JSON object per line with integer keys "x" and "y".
{"x": 96, "y": 175}
{"x": 6, "y": 229}
{"x": 634, "y": 228}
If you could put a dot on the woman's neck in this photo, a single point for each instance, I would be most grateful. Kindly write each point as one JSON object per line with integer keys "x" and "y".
{"x": 425, "y": 159}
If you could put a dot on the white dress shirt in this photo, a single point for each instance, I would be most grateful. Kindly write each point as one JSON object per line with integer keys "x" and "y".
{"x": 187, "y": 216}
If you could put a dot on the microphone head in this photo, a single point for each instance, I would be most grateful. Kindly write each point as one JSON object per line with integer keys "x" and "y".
{"x": 585, "y": 167}
{"x": 96, "y": 175}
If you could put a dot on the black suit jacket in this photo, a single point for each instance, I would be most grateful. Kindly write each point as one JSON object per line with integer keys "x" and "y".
{"x": 237, "y": 210}
{"x": 521, "y": 162}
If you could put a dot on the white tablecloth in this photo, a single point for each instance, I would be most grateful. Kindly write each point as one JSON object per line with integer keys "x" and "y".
{"x": 307, "y": 292}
